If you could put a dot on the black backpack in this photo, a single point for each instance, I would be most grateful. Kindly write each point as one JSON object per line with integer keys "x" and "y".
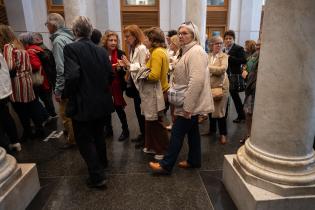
{"x": 48, "y": 62}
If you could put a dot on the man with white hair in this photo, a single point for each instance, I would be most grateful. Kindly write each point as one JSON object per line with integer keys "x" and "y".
{"x": 87, "y": 81}
{"x": 60, "y": 36}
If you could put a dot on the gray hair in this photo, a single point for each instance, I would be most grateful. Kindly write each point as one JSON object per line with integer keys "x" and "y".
{"x": 213, "y": 40}
{"x": 26, "y": 38}
{"x": 56, "y": 20}
{"x": 82, "y": 27}
{"x": 37, "y": 38}
{"x": 193, "y": 29}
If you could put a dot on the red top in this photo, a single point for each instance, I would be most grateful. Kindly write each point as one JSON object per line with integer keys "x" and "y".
{"x": 36, "y": 64}
{"x": 22, "y": 86}
{"x": 116, "y": 83}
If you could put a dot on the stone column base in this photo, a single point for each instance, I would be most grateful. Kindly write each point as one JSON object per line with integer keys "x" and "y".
{"x": 250, "y": 197}
{"x": 23, "y": 190}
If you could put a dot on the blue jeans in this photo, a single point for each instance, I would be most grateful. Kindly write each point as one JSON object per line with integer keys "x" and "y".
{"x": 181, "y": 127}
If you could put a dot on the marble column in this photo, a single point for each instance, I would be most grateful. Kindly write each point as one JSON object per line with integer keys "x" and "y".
{"x": 73, "y": 8}
{"x": 19, "y": 183}
{"x": 196, "y": 11}
{"x": 9, "y": 171}
{"x": 279, "y": 155}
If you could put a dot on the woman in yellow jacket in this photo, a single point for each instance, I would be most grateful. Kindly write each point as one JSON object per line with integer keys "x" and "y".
{"x": 156, "y": 138}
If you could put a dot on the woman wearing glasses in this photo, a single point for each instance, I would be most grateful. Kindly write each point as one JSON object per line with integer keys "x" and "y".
{"x": 218, "y": 64}
{"x": 191, "y": 72}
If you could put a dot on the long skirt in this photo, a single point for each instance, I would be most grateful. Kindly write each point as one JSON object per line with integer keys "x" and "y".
{"x": 156, "y": 137}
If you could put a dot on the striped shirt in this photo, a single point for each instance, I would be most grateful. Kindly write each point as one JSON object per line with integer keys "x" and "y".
{"x": 22, "y": 85}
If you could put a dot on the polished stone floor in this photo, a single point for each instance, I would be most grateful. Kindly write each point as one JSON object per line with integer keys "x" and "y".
{"x": 62, "y": 174}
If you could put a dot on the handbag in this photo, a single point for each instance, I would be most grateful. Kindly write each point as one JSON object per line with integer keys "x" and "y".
{"x": 176, "y": 94}
{"x": 237, "y": 82}
{"x": 37, "y": 77}
{"x": 217, "y": 93}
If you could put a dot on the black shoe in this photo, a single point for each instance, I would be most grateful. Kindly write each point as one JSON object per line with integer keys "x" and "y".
{"x": 67, "y": 146}
{"x": 239, "y": 120}
{"x": 99, "y": 184}
{"x": 138, "y": 139}
{"x": 109, "y": 133}
{"x": 124, "y": 135}
{"x": 212, "y": 132}
{"x": 139, "y": 145}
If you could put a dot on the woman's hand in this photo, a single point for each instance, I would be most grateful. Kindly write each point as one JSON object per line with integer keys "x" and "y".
{"x": 187, "y": 115}
{"x": 147, "y": 57}
{"x": 125, "y": 62}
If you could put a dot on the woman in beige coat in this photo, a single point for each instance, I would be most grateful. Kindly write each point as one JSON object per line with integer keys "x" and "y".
{"x": 218, "y": 64}
{"x": 190, "y": 72}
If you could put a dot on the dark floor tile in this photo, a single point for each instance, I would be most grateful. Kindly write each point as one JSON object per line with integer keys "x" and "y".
{"x": 219, "y": 197}
{"x": 48, "y": 186}
{"x": 183, "y": 190}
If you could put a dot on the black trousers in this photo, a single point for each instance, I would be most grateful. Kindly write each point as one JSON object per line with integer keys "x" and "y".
{"x": 140, "y": 117}
{"x": 221, "y": 123}
{"x": 90, "y": 139}
{"x": 238, "y": 104}
{"x": 46, "y": 97}
{"x": 8, "y": 132}
{"x": 122, "y": 117}
{"x": 31, "y": 110}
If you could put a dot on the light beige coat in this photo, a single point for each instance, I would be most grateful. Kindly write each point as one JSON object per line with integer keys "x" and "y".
{"x": 191, "y": 70}
{"x": 137, "y": 60}
{"x": 218, "y": 78}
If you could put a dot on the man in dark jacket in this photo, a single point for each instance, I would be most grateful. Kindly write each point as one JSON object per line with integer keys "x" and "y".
{"x": 236, "y": 59}
{"x": 87, "y": 80}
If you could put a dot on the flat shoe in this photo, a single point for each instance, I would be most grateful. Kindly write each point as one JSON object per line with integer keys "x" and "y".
{"x": 157, "y": 168}
{"x": 184, "y": 164}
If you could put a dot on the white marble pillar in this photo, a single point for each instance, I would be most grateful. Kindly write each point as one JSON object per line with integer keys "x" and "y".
{"x": 177, "y": 13}
{"x": 196, "y": 11}
{"x": 28, "y": 16}
{"x": 279, "y": 155}
{"x": 244, "y": 18}
{"x": 73, "y": 8}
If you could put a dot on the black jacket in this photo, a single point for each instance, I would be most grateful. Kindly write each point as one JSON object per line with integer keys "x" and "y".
{"x": 236, "y": 59}
{"x": 121, "y": 72}
{"x": 87, "y": 79}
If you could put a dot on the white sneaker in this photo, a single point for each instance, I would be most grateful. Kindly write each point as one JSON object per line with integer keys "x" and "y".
{"x": 145, "y": 150}
{"x": 158, "y": 157}
{"x": 16, "y": 146}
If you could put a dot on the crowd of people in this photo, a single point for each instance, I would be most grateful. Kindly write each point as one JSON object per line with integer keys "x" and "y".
{"x": 87, "y": 73}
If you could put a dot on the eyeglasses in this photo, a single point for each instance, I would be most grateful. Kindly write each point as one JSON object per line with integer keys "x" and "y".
{"x": 189, "y": 23}
{"x": 182, "y": 34}
{"x": 218, "y": 43}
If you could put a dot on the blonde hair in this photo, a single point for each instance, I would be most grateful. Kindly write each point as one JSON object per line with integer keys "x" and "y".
{"x": 175, "y": 40}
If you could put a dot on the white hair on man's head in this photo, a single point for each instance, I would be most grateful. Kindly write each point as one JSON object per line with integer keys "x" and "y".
{"x": 82, "y": 26}
{"x": 56, "y": 20}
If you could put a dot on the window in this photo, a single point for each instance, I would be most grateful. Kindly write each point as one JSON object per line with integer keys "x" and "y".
{"x": 215, "y": 2}
{"x": 57, "y": 2}
{"x": 139, "y": 2}
{"x": 55, "y": 6}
